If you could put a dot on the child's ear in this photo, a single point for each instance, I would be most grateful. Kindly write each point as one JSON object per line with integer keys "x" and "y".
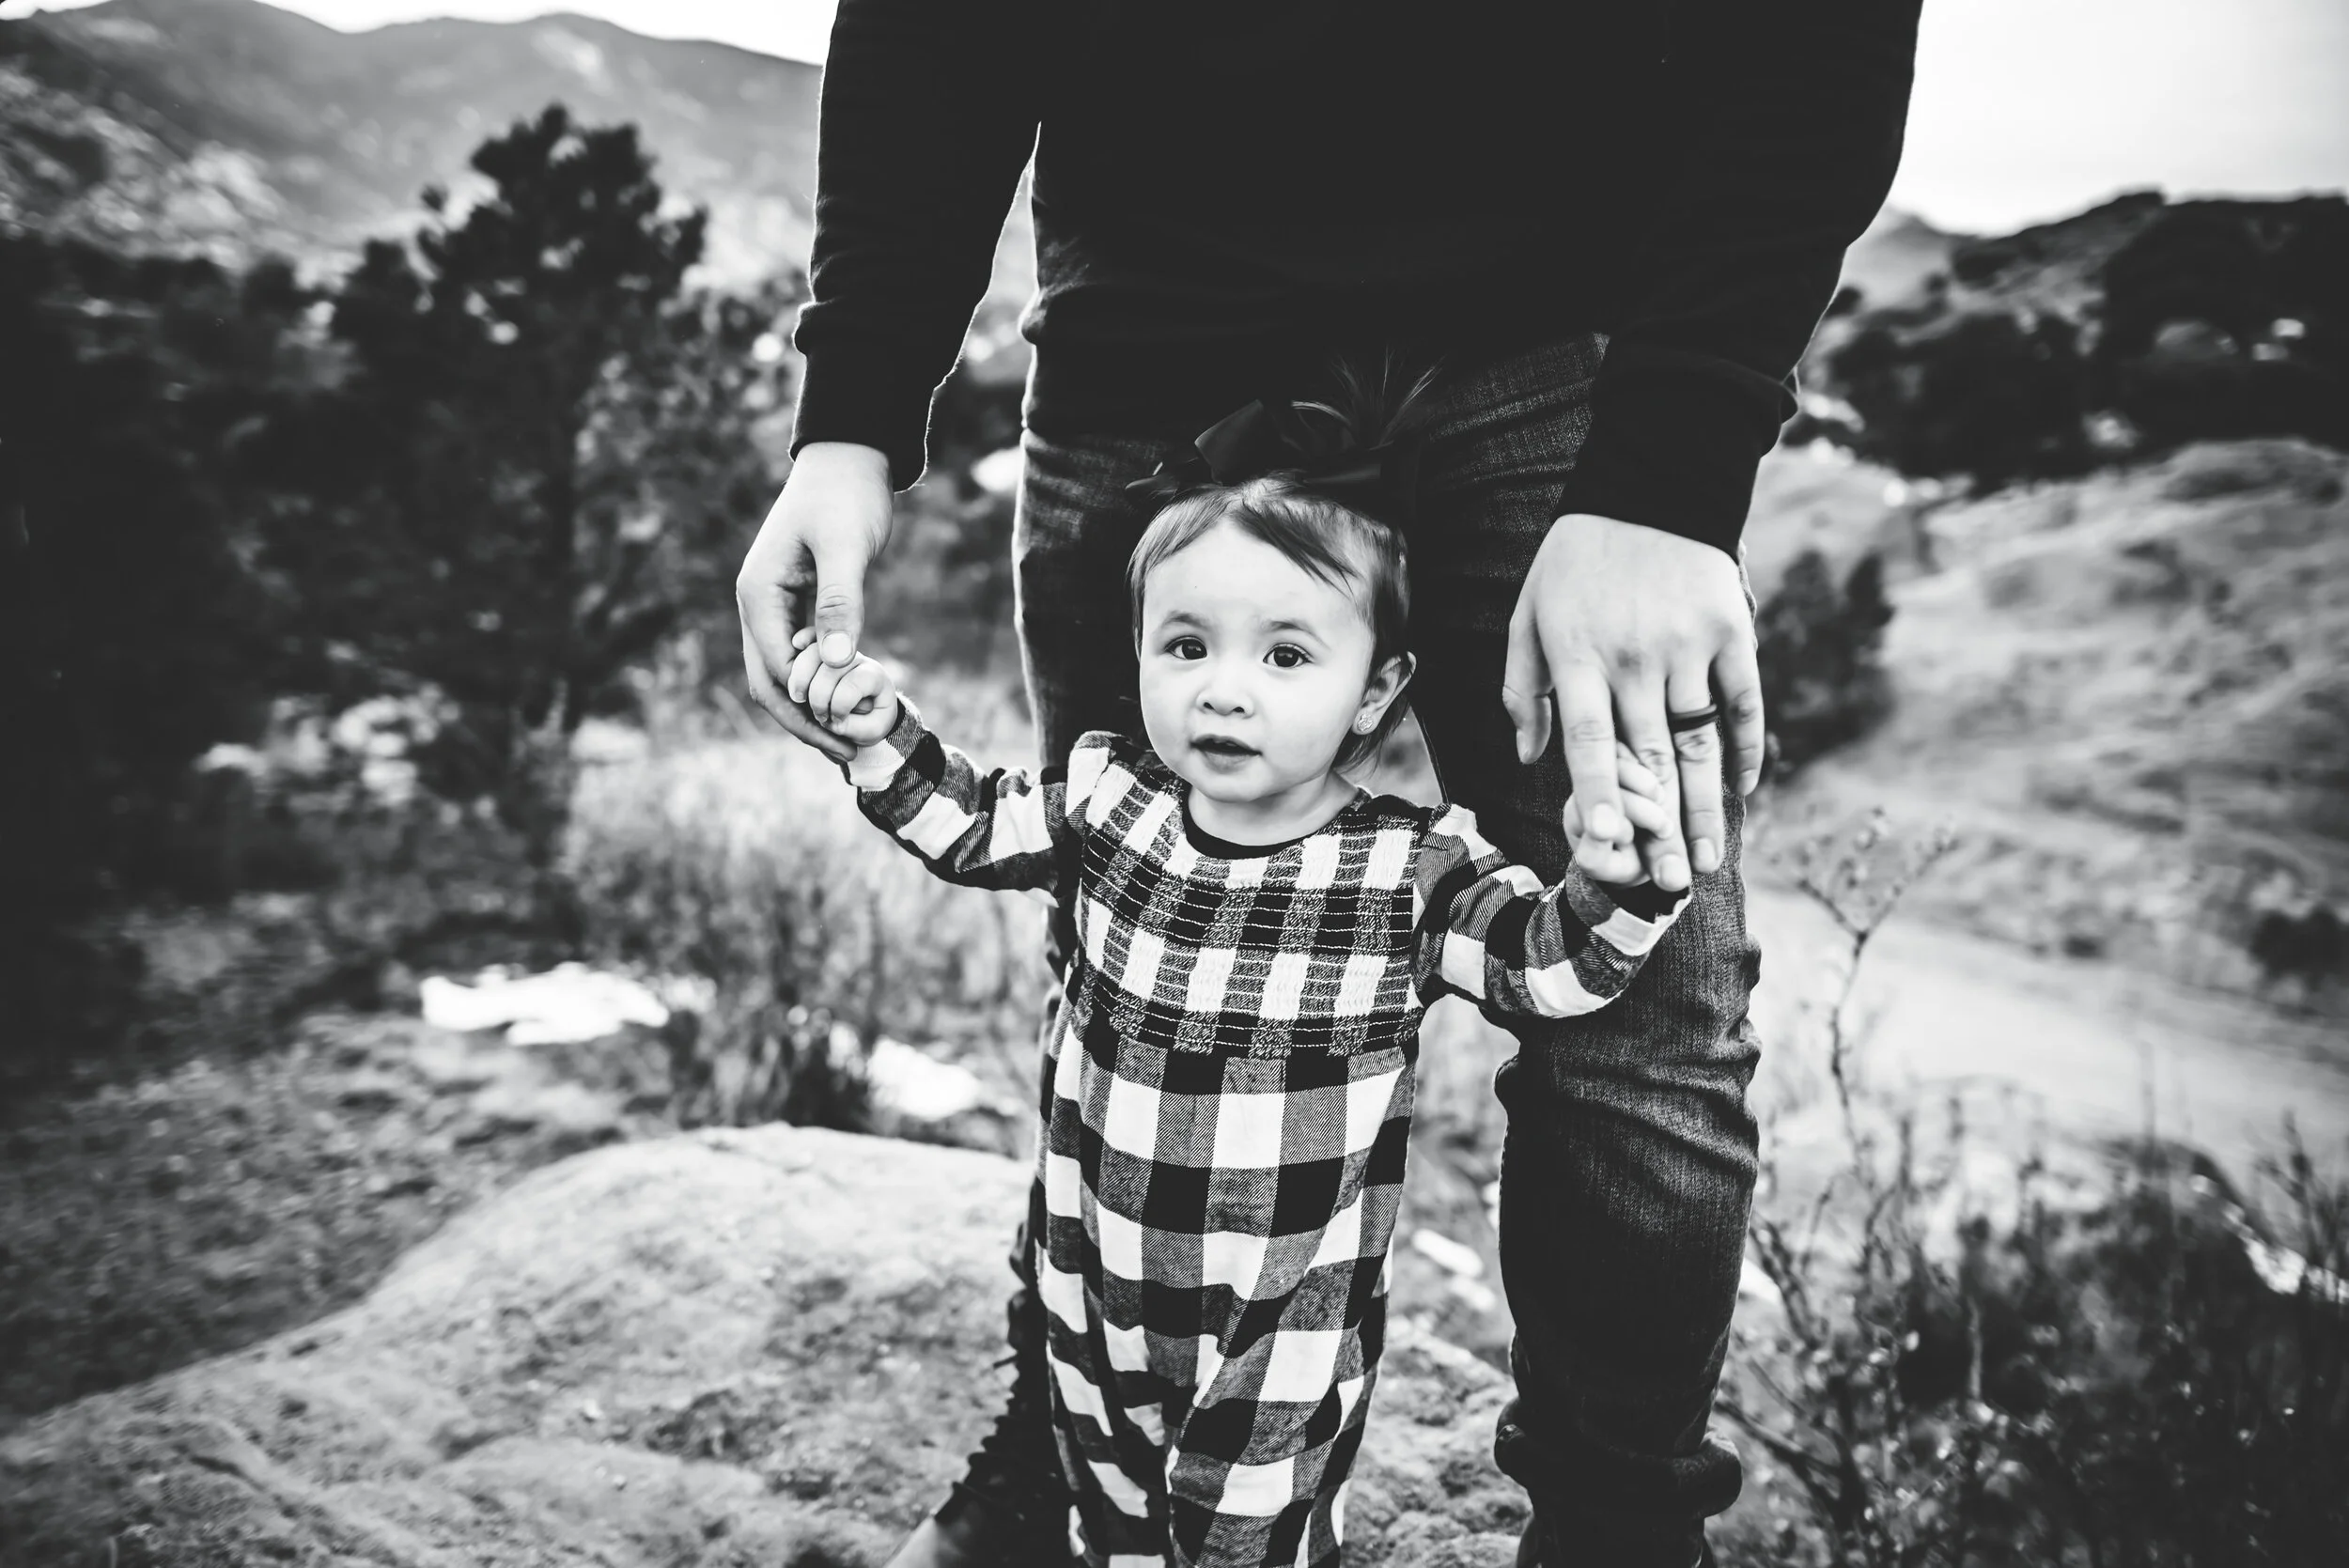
{"x": 1386, "y": 684}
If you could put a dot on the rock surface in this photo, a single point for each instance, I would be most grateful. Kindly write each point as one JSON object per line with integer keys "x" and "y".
{"x": 735, "y": 1348}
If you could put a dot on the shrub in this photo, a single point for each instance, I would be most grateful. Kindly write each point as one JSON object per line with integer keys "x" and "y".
{"x": 2225, "y": 319}
{"x": 1823, "y": 680}
{"x": 2152, "y": 1377}
{"x": 132, "y": 633}
{"x": 745, "y": 862}
{"x": 2312, "y": 946}
{"x": 1983, "y": 395}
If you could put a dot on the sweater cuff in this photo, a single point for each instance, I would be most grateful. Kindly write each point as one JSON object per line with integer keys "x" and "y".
{"x": 1631, "y": 919}
{"x": 860, "y": 396}
{"x": 1675, "y": 438}
{"x": 876, "y": 763}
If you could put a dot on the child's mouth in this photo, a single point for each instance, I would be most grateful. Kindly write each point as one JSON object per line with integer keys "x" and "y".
{"x": 1222, "y": 746}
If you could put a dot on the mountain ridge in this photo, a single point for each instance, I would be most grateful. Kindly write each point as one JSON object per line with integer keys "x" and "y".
{"x": 231, "y": 128}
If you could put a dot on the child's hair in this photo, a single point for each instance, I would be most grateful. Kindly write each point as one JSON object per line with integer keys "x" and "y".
{"x": 1357, "y": 554}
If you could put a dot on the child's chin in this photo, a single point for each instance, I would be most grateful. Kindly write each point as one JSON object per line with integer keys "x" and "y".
{"x": 1230, "y": 784}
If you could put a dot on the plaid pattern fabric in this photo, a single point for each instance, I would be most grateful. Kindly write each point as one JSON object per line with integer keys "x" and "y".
{"x": 1226, "y": 1108}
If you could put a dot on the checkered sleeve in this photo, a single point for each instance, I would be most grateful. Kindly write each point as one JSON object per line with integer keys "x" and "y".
{"x": 1006, "y": 828}
{"x": 1487, "y": 929}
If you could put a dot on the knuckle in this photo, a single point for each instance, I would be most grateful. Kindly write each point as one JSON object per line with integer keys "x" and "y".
{"x": 1658, "y": 759}
{"x": 1697, "y": 745}
{"x": 1590, "y": 730}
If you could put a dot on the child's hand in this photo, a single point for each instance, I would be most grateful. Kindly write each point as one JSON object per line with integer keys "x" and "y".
{"x": 1641, "y": 807}
{"x": 858, "y": 702}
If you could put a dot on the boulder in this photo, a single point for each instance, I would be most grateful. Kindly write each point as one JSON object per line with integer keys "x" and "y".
{"x": 770, "y": 1346}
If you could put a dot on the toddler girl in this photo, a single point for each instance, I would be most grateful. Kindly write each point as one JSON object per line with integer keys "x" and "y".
{"x": 1226, "y": 1097}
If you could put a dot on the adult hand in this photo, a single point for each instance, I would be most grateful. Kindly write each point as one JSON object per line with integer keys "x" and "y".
{"x": 1628, "y": 623}
{"x": 806, "y": 569}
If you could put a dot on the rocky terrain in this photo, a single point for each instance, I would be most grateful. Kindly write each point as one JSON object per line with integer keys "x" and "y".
{"x": 766, "y": 1346}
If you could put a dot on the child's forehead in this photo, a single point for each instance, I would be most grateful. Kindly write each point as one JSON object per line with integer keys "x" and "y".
{"x": 1227, "y": 575}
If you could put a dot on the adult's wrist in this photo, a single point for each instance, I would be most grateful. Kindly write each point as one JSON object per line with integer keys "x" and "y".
{"x": 853, "y": 480}
{"x": 849, "y": 459}
{"x": 865, "y": 396}
{"x": 1675, "y": 440}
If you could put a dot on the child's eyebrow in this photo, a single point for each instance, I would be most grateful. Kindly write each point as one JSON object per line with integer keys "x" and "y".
{"x": 1285, "y": 625}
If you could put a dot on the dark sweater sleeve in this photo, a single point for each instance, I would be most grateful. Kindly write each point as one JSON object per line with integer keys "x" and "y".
{"x": 1793, "y": 124}
{"x": 927, "y": 115}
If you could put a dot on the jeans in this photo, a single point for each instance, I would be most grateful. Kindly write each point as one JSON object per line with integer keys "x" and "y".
{"x": 1628, "y": 1164}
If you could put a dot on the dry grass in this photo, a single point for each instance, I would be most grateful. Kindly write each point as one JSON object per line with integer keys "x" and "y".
{"x": 2127, "y": 692}
{"x": 743, "y": 859}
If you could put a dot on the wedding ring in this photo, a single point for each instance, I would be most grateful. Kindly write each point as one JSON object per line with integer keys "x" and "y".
{"x": 1701, "y": 719}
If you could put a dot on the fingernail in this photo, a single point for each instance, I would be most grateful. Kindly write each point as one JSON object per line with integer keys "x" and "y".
{"x": 1707, "y": 856}
{"x": 1606, "y": 822}
{"x": 838, "y": 649}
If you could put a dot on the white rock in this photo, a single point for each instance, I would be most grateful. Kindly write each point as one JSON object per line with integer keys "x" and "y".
{"x": 567, "y": 1004}
{"x": 998, "y": 472}
{"x": 919, "y": 1087}
{"x": 1455, "y": 1258}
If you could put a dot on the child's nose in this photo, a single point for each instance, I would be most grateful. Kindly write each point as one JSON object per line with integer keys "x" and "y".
{"x": 1223, "y": 692}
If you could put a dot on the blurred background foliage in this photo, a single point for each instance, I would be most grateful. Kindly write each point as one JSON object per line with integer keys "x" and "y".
{"x": 2131, "y": 330}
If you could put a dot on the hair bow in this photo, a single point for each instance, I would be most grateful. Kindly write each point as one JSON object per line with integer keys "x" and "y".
{"x": 1381, "y": 481}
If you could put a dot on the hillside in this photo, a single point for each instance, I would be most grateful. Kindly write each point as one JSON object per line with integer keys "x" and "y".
{"x": 1896, "y": 261}
{"x": 1904, "y": 262}
{"x": 2129, "y": 692}
{"x": 231, "y": 127}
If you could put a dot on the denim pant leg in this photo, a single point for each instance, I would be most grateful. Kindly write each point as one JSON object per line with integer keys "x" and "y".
{"x": 1629, "y": 1160}
{"x": 1072, "y": 534}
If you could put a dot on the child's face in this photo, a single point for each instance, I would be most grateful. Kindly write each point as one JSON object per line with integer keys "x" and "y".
{"x": 1254, "y": 670}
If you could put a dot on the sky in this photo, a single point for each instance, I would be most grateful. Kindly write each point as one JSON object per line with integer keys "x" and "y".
{"x": 2024, "y": 109}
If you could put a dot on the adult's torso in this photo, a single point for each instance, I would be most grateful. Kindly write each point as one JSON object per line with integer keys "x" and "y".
{"x": 1249, "y": 183}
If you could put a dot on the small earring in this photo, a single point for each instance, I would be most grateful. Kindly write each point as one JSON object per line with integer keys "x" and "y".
{"x": 1364, "y": 724}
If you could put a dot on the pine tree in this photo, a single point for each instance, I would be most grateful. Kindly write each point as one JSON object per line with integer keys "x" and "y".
{"x": 544, "y": 455}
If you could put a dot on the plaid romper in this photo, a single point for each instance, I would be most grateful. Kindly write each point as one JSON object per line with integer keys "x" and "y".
{"x": 1226, "y": 1103}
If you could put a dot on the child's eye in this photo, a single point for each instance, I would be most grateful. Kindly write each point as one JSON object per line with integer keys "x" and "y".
{"x": 1286, "y": 655}
{"x": 1188, "y": 647}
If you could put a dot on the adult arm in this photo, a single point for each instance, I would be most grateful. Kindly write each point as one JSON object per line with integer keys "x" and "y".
{"x": 927, "y": 117}
{"x": 1793, "y": 117}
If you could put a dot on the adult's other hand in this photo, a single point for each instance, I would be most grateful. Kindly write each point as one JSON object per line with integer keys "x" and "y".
{"x": 1627, "y": 623}
{"x": 807, "y": 568}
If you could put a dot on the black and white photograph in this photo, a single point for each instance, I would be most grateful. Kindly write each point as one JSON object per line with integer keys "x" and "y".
{"x": 1101, "y": 783}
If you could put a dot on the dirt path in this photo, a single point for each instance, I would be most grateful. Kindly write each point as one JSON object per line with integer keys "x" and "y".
{"x": 2083, "y": 1049}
